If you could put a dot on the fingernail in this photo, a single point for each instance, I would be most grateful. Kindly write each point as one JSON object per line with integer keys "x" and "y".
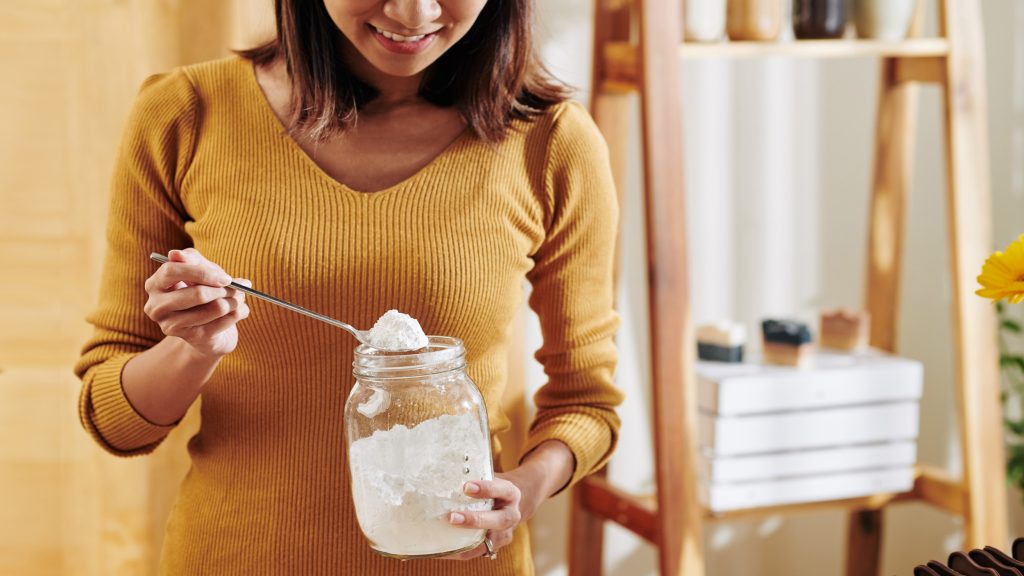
{"x": 224, "y": 279}
{"x": 472, "y": 488}
{"x": 457, "y": 518}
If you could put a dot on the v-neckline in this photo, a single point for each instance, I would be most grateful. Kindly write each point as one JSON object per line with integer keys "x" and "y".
{"x": 267, "y": 110}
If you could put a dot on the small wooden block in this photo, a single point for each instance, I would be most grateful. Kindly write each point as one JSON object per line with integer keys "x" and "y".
{"x": 845, "y": 329}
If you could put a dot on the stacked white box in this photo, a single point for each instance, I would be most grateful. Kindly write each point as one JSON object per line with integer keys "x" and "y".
{"x": 843, "y": 428}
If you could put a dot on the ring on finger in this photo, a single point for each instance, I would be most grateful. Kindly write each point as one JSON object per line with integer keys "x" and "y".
{"x": 491, "y": 553}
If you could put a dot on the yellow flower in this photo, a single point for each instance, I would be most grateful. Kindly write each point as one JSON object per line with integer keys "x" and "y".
{"x": 1002, "y": 276}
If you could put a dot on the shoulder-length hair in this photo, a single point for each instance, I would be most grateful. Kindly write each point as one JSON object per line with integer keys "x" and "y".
{"x": 492, "y": 75}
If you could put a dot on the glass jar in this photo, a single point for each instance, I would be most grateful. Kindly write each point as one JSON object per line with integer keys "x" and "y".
{"x": 416, "y": 430}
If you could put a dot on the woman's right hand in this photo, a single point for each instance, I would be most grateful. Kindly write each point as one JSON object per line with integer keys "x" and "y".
{"x": 189, "y": 298}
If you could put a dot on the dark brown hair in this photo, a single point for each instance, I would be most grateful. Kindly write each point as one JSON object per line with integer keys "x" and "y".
{"x": 491, "y": 75}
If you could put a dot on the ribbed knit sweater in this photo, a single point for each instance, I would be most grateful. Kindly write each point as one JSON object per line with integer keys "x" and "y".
{"x": 206, "y": 163}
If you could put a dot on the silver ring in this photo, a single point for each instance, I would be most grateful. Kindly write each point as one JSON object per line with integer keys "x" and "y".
{"x": 490, "y": 549}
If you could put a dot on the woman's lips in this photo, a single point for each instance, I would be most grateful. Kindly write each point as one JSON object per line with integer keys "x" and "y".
{"x": 403, "y": 47}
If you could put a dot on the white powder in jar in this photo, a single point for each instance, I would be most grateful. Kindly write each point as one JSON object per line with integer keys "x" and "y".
{"x": 406, "y": 481}
{"x": 397, "y": 331}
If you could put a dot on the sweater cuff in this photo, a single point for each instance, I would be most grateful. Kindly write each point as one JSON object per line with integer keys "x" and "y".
{"x": 113, "y": 418}
{"x": 589, "y": 439}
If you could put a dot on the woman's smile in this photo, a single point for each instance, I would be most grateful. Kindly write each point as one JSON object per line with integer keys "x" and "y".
{"x": 403, "y": 44}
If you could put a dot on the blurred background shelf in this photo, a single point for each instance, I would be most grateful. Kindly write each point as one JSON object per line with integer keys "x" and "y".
{"x": 637, "y": 49}
{"x": 621, "y": 59}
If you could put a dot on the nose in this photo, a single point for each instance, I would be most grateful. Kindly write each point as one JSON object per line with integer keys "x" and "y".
{"x": 412, "y": 14}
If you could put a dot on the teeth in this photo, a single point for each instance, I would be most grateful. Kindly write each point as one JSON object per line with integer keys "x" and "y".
{"x": 398, "y": 37}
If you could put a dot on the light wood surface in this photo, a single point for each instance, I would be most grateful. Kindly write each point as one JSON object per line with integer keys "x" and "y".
{"x": 938, "y": 488}
{"x": 636, "y": 512}
{"x": 72, "y": 70}
{"x": 679, "y": 535}
{"x": 620, "y": 62}
{"x": 817, "y": 49}
{"x": 969, "y": 211}
{"x": 895, "y": 128}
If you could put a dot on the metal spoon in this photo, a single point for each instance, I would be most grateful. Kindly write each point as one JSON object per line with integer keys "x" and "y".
{"x": 362, "y": 335}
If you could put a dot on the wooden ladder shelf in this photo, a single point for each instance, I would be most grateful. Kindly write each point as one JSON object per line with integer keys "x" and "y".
{"x": 637, "y": 49}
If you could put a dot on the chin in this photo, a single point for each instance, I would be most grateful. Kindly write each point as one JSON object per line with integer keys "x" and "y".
{"x": 398, "y": 69}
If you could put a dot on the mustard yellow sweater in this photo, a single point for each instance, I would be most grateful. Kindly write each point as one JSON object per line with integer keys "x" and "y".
{"x": 205, "y": 163}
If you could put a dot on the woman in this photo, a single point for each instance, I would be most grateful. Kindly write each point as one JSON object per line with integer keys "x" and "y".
{"x": 377, "y": 154}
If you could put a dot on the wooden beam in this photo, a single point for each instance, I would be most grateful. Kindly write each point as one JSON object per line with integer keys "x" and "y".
{"x": 622, "y": 64}
{"x": 910, "y": 48}
{"x": 613, "y": 111}
{"x": 893, "y": 167}
{"x": 585, "y": 552}
{"x": 923, "y": 56}
{"x": 929, "y": 70}
{"x": 969, "y": 210}
{"x": 872, "y": 502}
{"x": 939, "y": 489}
{"x": 680, "y": 539}
{"x": 636, "y": 514}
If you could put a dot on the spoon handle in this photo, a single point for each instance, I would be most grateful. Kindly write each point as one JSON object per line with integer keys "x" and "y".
{"x": 284, "y": 304}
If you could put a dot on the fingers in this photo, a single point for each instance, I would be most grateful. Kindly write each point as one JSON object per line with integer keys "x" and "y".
{"x": 498, "y": 519}
{"x": 226, "y": 321}
{"x": 190, "y": 297}
{"x": 498, "y": 489}
{"x": 162, "y": 305}
{"x": 200, "y": 315}
{"x": 500, "y": 522}
{"x": 505, "y": 515}
{"x": 187, "y": 266}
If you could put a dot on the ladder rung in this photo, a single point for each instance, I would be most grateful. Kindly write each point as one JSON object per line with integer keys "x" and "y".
{"x": 938, "y": 488}
{"x": 638, "y": 513}
{"x": 931, "y": 69}
{"x": 635, "y": 513}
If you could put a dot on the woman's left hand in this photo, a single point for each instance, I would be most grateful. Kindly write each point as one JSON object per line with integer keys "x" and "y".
{"x": 517, "y": 494}
{"x": 510, "y": 508}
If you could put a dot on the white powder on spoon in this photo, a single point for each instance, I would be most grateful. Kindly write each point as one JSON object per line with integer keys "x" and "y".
{"x": 395, "y": 331}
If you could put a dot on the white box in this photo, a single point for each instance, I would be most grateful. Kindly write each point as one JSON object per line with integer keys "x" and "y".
{"x": 833, "y": 380}
{"x": 728, "y": 436}
{"x": 725, "y": 497}
{"x": 807, "y": 462}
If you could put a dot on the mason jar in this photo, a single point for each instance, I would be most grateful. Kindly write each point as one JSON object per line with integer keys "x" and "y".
{"x": 416, "y": 430}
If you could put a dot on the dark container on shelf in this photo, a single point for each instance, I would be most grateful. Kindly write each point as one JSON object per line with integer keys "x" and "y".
{"x": 819, "y": 19}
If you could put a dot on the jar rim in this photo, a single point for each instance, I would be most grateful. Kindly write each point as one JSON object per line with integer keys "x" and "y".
{"x": 439, "y": 354}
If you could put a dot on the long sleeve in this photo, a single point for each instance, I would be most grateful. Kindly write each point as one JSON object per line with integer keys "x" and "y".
{"x": 145, "y": 215}
{"x": 573, "y": 297}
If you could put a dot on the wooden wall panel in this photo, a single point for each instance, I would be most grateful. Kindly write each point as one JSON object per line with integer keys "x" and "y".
{"x": 72, "y": 69}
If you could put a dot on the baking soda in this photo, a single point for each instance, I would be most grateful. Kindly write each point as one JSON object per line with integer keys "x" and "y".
{"x": 406, "y": 481}
{"x": 397, "y": 331}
